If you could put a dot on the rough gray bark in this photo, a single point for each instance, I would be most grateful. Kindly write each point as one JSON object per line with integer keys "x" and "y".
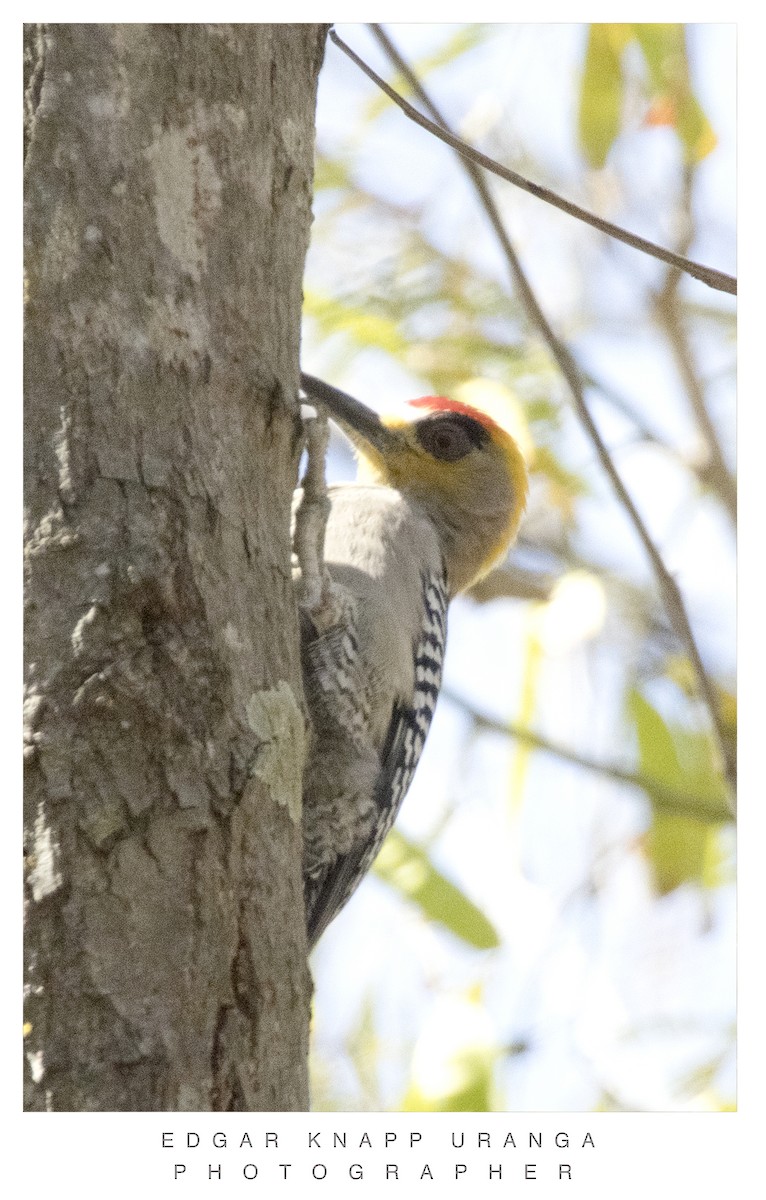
{"x": 168, "y": 185}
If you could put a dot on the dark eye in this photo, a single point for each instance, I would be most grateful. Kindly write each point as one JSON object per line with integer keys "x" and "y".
{"x": 450, "y": 438}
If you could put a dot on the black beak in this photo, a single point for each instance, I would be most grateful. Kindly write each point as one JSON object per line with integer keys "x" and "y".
{"x": 357, "y": 421}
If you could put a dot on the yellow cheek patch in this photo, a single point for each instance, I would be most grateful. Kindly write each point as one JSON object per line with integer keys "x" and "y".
{"x": 517, "y": 470}
{"x": 486, "y": 491}
{"x": 394, "y": 470}
{"x": 413, "y": 466}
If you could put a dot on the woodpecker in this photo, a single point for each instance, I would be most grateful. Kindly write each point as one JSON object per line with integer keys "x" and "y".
{"x": 438, "y": 500}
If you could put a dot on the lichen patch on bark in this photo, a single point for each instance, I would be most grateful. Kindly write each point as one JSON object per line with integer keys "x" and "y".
{"x": 44, "y": 876}
{"x": 187, "y": 194}
{"x": 275, "y": 717}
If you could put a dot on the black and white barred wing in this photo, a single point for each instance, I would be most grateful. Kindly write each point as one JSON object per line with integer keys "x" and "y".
{"x": 326, "y": 893}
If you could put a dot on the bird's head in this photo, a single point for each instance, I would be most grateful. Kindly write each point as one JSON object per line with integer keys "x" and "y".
{"x": 454, "y": 460}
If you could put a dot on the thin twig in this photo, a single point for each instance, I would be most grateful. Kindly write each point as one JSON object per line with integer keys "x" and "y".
{"x": 714, "y": 471}
{"x": 669, "y": 590}
{"x": 687, "y": 804}
{"x": 718, "y": 280}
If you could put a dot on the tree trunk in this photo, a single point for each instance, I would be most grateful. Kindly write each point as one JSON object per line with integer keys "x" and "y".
{"x": 168, "y": 186}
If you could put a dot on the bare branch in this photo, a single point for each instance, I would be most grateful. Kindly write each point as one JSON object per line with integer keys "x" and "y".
{"x": 686, "y": 804}
{"x": 714, "y": 470}
{"x": 669, "y": 590}
{"x": 718, "y": 280}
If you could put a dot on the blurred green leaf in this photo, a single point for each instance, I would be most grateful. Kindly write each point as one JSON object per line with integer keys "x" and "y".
{"x": 601, "y": 93}
{"x": 454, "y": 1058}
{"x": 680, "y": 848}
{"x": 408, "y": 869}
{"x": 549, "y": 464}
{"x": 366, "y": 328}
{"x": 330, "y": 173}
{"x": 470, "y": 1090}
{"x": 677, "y": 849}
{"x": 664, "y": 48}
{"x": 673, "y": 101}
{"x": 657, "y": 752}
{"x": 543, "y": 410}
